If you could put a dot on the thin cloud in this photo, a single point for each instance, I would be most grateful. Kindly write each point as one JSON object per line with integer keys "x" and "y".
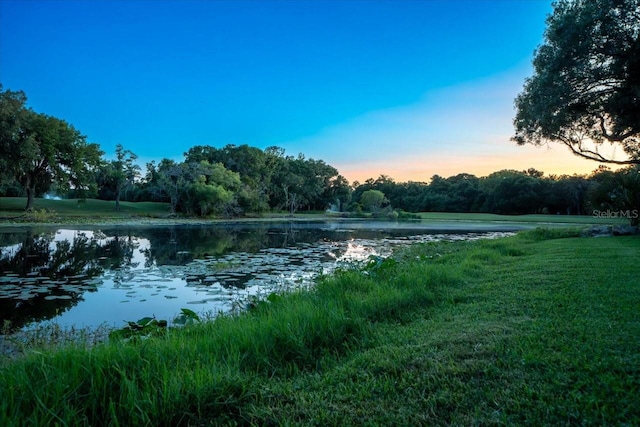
{"x": 465, "y": 128}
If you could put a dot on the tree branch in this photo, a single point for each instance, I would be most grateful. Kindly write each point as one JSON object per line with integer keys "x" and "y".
{"x": 611, "y": 137}
{"x": 594, "y": 155}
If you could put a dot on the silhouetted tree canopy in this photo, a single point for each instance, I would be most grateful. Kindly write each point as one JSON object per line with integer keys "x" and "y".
{"x": 585, "y": 91}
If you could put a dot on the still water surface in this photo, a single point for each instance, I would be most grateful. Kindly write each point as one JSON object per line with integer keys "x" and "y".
{"x": 91, "y": 277}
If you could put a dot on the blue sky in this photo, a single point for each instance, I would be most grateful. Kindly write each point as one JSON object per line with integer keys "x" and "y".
{"x": 403, "y": 88}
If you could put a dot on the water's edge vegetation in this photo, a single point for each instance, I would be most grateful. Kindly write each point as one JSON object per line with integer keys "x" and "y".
{"x": 537, "y": 328}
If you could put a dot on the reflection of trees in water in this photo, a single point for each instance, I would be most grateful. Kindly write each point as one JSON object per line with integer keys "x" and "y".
{"x": 181, "y": 245}
{"x": 8, "y": 240}
{"x": 82, "y": 255}
{"x": 33, "y": 252}
{"x": 41, "y": 278}
{"x": 165, "y": 248}
{"x": 119, "y": 251}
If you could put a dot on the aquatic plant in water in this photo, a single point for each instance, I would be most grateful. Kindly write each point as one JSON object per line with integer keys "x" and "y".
{"x": 150, "y": 326}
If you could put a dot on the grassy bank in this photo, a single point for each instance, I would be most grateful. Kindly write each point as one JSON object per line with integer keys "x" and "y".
{"x": 59, "y": 210}
{"x": 533, "y": 329}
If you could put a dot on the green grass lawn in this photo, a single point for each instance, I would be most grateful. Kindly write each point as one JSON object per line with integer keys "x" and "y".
{"x": 92, "y": 209}
{"x": 536, "y": 332}
{"x": 89, "y": 208}
{"x": 537, "y": 218}
{"x": 540, "y": 328}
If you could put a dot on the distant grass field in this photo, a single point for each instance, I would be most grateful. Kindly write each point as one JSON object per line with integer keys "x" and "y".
{"x": 541, "y": 219}
{"x": 90, "y": 208}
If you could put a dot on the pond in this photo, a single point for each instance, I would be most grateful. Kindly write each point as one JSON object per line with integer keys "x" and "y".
{"x": 88, "y": 277}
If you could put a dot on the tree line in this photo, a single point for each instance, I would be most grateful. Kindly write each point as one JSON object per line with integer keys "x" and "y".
{"x": 509, "y": 192}
{"x": 236, "y": 180}
{"x": 43, "y": 154}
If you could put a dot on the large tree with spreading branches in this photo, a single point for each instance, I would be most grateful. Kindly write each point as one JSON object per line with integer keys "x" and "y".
{"x": 38, "y": 151}
{"x": 585, "y": 90}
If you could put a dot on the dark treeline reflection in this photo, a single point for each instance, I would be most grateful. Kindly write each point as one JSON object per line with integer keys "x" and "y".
{"x": 41, "y": 276}
{"x": 181, "y": 245}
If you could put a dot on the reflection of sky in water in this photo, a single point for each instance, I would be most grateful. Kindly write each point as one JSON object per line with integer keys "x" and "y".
{"x": 215, "y": 283}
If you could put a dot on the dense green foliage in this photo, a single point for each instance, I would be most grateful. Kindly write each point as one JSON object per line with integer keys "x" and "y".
{"x": 511, "y": 331}
{"x": 514, "y": 192}
{"x": 119, "y": 174}
{"x": 585, "y": 91}
{"x": 40, "y": 151}
{"x": 46, "y": 155}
